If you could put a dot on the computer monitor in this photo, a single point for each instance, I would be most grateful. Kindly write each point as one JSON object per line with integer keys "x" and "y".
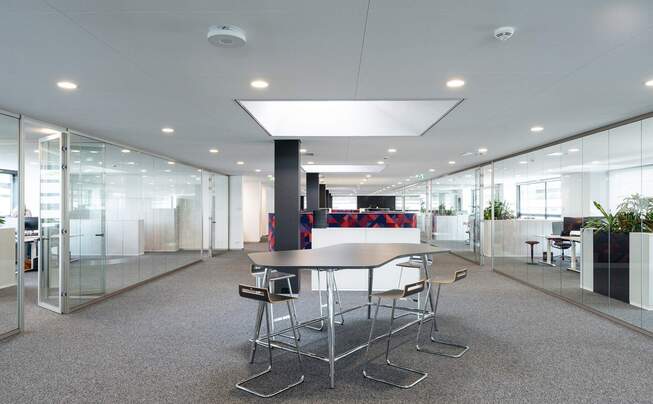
{"x": 570, "y": 224}
{"x": 31, "y": 223}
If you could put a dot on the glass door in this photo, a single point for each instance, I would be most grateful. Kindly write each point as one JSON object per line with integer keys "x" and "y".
{"x": 53, "y": 245}
{"x": 476, "y": 215}
{"x": 87, "y": 268}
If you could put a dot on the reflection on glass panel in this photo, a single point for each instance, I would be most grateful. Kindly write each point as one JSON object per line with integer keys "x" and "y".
{"x": 572, "y": 219}
{"x": 9, "y": 181}
{"x": 455, "y": 202}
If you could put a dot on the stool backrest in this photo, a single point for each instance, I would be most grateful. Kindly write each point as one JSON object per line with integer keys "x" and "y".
{"x": 460, "y": 274}
{"x": 412, "y": 288}
{"x": 254, "y": 293}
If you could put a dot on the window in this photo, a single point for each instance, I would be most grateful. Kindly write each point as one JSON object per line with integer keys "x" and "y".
{"x": 6, "y": 193}
{"x": 539, "y": 199}
{"x": 345, "y": 202}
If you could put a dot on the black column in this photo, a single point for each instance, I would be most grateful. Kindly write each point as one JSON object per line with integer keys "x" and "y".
{"x": 322, "y": 196}
{"x": 329, "y": 200}
{"x": 312, "y": 191}
{"x": 286, "y": 200}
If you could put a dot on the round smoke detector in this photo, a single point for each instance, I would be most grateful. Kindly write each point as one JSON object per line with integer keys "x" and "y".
{"x": 504, "y": 33}
{"x": 226, "y": 36}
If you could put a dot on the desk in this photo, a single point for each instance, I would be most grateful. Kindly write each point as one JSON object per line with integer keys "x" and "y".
{"x": 331, "y": 259}
{"x": 552, "y": 237}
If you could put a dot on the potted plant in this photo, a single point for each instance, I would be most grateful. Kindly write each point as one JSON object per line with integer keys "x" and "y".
{"x": 611, "y": 238}
{"x": 502, "y": 211}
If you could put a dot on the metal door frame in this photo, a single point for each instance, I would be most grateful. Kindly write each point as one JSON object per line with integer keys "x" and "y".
{"x": 64, "y": 248}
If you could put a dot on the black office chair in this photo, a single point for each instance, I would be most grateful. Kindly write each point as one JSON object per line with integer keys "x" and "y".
{"x": 561, "y": 245}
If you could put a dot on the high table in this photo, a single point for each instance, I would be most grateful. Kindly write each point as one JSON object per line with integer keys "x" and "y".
{"x": 331, "y": 259}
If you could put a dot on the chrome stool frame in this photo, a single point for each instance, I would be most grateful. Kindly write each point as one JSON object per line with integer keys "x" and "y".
{"x": 338, "y": 300}
{"x": 266, "y": 298}
{"x": 458, "y": 275}
{"x": 259, "y": 274}
{"x": 394, "y": 294}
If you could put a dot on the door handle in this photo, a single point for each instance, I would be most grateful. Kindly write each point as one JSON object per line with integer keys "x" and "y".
{"x": 99, "y": 235}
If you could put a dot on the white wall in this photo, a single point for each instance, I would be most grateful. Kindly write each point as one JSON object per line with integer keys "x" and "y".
{"x": 252, "y": 196}
{"x": 236, "y": 212}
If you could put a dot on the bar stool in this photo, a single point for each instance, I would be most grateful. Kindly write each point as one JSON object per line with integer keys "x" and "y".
{"x": 532, "y": 244}
{"x": 394, "y": 294}
{"x": 445, "y": 280}
{"x": 266, "y": 298}
{"x": 276, "y": 276}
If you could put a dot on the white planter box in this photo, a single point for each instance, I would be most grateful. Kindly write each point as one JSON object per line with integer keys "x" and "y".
{"x": 641, "y": 270}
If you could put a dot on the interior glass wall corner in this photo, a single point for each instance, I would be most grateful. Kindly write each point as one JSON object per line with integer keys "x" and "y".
{"x": 109, "y": 217}
{"x": 456, "y": 207}
{"x": 576, "y": 219}
{"x": 10, "y": 203}
{"x": 216, "y": 212}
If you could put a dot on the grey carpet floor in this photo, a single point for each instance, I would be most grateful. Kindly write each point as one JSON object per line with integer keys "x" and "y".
{"x": 183, "y": 338}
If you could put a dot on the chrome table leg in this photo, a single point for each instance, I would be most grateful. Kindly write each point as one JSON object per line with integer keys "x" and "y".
{"x": 331, "y": 325}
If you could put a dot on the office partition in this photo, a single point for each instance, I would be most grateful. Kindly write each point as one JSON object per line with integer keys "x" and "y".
{"x": 10, "y": 237}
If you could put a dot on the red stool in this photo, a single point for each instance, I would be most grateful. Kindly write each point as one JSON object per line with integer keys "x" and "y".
{"x": 532, "y": 243}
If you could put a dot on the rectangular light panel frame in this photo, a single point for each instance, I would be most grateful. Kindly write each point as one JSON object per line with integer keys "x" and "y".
{"x": 350, "y": 118}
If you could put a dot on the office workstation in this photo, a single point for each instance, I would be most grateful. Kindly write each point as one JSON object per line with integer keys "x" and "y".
{"x": 301, "y": 201}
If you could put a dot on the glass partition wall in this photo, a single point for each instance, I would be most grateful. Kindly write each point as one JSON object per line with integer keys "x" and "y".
{"x": 121, "y": 216}
{"x": 9, "y": 225}
{"x": 584, "y": 210}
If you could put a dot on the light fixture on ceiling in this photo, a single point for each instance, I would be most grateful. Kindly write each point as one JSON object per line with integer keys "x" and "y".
{"x": 649, "y": 83}
{"x": 392, "y": 150}
{"x": 573, "y": 150}
{"x": 455, "y": 83}
{"x": 452, "y": 162}
{"x": 125, "y": 150}
{"x": 311, "y": 162}
{"x": 167, "y": 130}
{"x": 172, "y": 163}
{"x": 523, "y": 162}
{"x": 240, "y": 163}
{"x": 482, "y": 150}
{"x": 258, "y": 170}
{"x": 432, "y": 170}
{"x": 333, "y": 118}
{"x": 67, "y": 85}
{"x": 48, "y": 131}
{"x": 555, "y": 154}
{"x": 214, "y": 151}
{"x": 380, "y": 162}
{"x": 537, "y": 129}
{"x": 303, "y": 151}
{"x": 143, "y": 170}
{"x": 259, "y": 84}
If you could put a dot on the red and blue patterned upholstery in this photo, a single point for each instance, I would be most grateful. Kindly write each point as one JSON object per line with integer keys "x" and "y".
{"x": 381, "y": 219}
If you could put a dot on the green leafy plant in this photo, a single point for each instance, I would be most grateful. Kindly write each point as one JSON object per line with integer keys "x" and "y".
{"x": 634, "y": 214}
{"x": 2, "y": 220}
{"x": 502, "y": 211}
{"x": 443, "y": 211}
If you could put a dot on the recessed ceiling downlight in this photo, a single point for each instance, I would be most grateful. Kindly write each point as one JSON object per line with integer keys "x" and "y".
{"x": 455, "y": 83}
{"x": 167, "y": 130}
{"x": 259, "y": 84}
{"x": 537, "y": 129}
{"x": 226, "y": 36}
{"x": 67, "y": 85}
